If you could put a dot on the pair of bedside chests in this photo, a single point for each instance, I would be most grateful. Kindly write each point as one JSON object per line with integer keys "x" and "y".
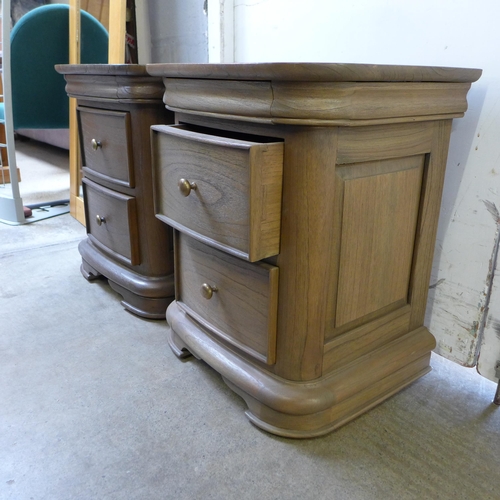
{"x": 282, "y": 217}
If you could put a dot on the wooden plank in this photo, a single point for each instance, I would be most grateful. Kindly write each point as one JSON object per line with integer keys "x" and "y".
{"x": 74, "y": 151}
{"x": 79, "y": 209}
{"x": 117, "y": 16}
{"x": 306, "y": 255}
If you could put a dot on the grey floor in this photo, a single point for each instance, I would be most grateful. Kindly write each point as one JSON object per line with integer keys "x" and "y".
{"x": 94, "y": 405}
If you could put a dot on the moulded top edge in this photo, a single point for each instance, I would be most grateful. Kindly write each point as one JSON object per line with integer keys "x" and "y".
{"x": 102, "y": 69}
{"x": 317, "y": 72}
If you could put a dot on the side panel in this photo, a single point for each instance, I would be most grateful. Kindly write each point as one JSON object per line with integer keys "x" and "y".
{"x": 381, "y": 203}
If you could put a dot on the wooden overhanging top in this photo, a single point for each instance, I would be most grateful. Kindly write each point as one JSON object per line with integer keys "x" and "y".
{"x": 102, "y": 69}
{"x": 297, "y": 93}
{"x": 118, "y": 82}
{"x": 305, "y": 72}
{"x": 315, "y": 72}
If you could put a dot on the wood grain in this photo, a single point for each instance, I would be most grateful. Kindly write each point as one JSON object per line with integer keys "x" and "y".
{"x": 306, "y": 256}
{"x": 99, "y": 9}
{"x": 358, "y": 341}
{"x": 425, "y": 235}
{"x": 103, "y": 87}
{"x": 113, "y": 160}
{"x": 237, "y": 201}
{"x": 382, "y": 142}
{"x": 117, "y": 16}
{"x": 242, "y": 310}
{"x": 380, "y": 212}
{"x": 75, "y": 181}
{"x": 5, "y": 175}
{"x": 315, "y": 72}
{"x": 119, "y": 231}
{"x": 364, "y": 157}
{"x": 113, "y": 104}
{"x": 315, "y": 103}
{"x": 366, "y": 101}
{"x": 307, "y": 409}
{"x": 250, "y": 99}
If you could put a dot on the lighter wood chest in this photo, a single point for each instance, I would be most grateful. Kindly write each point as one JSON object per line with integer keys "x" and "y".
{"x": 312, "y": 309}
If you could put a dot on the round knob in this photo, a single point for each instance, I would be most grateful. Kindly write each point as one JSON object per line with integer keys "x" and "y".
{"x": 96, "y": 144}
{"x": 100, "y": 220}
{"x": 185, "y": 186}
{"x": 208, "y": 291}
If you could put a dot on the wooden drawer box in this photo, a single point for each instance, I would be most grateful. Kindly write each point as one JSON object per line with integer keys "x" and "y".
{"x": 234, "y": 299}
{"x": 112, "y": 221}
{"x": 106, "y": 142}
{"x": 223, "y": 190}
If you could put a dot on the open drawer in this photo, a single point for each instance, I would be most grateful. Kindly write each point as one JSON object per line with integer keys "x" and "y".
{"x": 223, "y": 189}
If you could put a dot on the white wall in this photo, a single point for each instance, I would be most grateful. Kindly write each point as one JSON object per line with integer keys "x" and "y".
{"x": 463, "y": 33}
{"x": 178, "y": 31}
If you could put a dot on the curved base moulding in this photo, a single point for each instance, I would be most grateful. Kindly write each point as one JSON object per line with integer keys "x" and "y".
{"x": 144, "y": 296}
{"x": 313, "y": 408}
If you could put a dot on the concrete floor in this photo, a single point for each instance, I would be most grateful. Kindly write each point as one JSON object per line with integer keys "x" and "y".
{"x": 94, "y": 405}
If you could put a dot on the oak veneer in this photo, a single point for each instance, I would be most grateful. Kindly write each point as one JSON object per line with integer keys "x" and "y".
{"x": 364, "y": 156}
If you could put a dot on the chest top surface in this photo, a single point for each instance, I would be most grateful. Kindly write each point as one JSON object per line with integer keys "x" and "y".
{"x": 315, "y": 72}
{"x": 113, "y": 82}
{"x": 316, "y": 93}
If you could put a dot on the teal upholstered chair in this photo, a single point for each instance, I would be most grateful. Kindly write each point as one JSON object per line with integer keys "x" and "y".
{"x": 39, "y": 41}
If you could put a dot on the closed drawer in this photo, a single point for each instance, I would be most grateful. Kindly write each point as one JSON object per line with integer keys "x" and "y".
{"x": 111, "y": 219}
{"x": 106, "y": 142}
{"x": 234, "y": 299}
{"x": 225, "y": 191}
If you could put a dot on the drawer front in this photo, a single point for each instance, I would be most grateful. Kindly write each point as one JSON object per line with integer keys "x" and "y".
{"x": 234, "y": 299}
{"x": 106, "y": 140}
{"x": 224, "y": 191}
{"x": 112, "y": 221}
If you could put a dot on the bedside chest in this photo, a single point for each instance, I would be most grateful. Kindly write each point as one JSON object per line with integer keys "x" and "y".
{"x": 126, "y": 243}
{"x": 305, "y": 200}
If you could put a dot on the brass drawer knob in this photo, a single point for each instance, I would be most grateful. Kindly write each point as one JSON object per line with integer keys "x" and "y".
{"x": 208, "y": 291}
{"x": 100, "y": 220}
{"x": 185, "y": 186}
{"x": 96, "y": 144}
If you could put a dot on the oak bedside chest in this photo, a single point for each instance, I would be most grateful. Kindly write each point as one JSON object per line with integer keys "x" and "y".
{"x": 305, "y": 201}
{"x": 126, "y": 243}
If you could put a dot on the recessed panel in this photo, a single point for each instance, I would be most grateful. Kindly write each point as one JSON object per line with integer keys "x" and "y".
{"x": 379, "y": 217}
